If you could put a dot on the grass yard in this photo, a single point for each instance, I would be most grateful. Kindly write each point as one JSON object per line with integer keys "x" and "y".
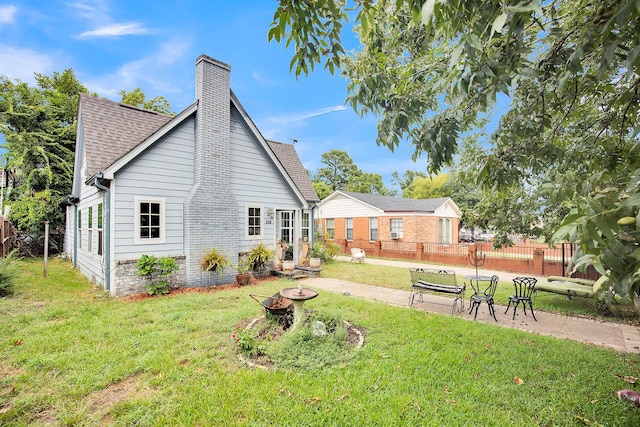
{"x": 398, "y": 278}
{"x": 69, "y": 355}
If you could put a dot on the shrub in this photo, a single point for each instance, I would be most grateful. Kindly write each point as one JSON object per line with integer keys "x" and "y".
{"x": 258, "y": 256}
{"x": 156, "y": 270}
{"x": 325, "y": 248}
{"x": 214, "y": 261}
{"x": 9, "y": 272}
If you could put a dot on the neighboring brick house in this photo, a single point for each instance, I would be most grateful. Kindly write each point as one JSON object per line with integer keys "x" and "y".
{"x": 350, "y": 216}
{"x": 146, "y": 183}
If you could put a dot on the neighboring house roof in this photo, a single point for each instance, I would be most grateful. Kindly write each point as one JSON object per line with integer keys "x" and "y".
{"x": 288, "y": 158}
{"x": 106, "y": 137}
{"x": 395, "y": 204}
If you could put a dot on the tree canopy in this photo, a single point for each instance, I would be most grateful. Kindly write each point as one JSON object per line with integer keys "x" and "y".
{"x": 38, "y": 124}
{"x": 341, "y": 173}
{"x": 564, "y": 157}
{"x": 137, "y": 98}
{"x": 39, "y": 128}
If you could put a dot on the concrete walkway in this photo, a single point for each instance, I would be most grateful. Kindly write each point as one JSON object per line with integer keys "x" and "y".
{"x": 620, "y": 337}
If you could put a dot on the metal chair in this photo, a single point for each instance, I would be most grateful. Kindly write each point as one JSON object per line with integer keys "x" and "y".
{"x": 357, "y": 255}
{"x": 525, "y": 287}
{"x": 486, "y": 296}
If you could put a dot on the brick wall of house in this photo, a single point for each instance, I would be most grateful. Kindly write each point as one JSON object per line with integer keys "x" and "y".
{"x": 414, "y": 228}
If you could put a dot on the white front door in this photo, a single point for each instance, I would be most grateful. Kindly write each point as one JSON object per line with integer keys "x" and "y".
{"x": 286, "y": 226}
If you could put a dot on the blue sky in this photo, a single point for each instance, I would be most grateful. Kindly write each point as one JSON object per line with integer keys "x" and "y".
{"x": 114, "y": 44}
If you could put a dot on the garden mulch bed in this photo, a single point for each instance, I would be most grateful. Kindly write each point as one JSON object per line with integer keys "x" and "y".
{"x": 199, "y": 289}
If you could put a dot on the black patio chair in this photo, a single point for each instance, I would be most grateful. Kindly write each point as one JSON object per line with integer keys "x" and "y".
{"x": 486, "y": 296}
{"x": 525, "y": 287}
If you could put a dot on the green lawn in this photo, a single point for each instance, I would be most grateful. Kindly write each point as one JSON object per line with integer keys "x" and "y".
{"x": 69, "y": 355}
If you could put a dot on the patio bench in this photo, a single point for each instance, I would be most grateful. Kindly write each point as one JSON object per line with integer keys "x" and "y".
{"x": 436, "y": 281}
{"x": 571, "y": 287}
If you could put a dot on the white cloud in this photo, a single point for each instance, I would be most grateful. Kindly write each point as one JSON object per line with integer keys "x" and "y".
{"x": 117, "y": 30}
{"x": 300, "y": 117}
{"x": 260, "y": 78}
{"x": 24, "y": 62}
{"x": 158, "y": 74}
{"x": 7, "y": 13}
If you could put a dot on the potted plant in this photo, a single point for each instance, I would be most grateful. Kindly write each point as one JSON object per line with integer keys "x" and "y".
{"x": 214, "y": 261}
{"x": 315, "y": 258}
{"x": 243, "y": 276}
{"x": 288, "y": 264}
{"x": 258, "y": 257}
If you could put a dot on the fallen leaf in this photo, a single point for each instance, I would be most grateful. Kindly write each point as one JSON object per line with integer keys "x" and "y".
{"x": 518, "y": 380}
{"x": 627, "y": 378}
{"x": 17, "y": 342}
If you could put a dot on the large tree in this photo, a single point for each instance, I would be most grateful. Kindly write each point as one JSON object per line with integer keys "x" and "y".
{"x": 568, "y": 146}
{"x": 341, "y": 173}
{"x": 39, "y": 128}
{"x": 137, "y": 98}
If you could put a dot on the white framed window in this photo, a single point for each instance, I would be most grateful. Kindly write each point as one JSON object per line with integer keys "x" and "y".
{"x": 80, "y": 228}
{"x": 331, "y": 228}
{"x": 306, "y": 225}
{"x": 396, "y": 228}
{"x": 373, "y": 229}
{"x": 349, "y": 228}
{"x": 90, "y": 229}
{"x": 253, "y": 214}
{"x": 99, "y": 221}
{"x": 444, "y": 230}
{"x": 149, "y": 220}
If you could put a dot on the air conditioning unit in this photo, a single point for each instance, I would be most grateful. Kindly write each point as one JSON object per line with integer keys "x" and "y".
{"x": 396, "y": 235}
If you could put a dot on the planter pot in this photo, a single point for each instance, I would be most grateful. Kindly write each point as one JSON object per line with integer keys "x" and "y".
{"x": 314, "y": 262}
{"x": 288, "y": 265}
{"x": 243, "y": 279}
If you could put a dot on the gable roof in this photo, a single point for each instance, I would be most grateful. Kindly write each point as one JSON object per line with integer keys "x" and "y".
{"x": 396, "y": 204}
{"x": 112, "y": 129}
{"x": 288, "y": 158}
{"x": 115, "y": 133}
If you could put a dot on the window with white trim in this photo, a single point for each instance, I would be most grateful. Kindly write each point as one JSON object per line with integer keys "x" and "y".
{"x": 396, "y": 228}
{"x": 306, "y": 225}
{"x": 149, "y": 220}
{"x": 349, "y": 228}
{"x": 254, "y": 221}
{"x": 444, "y": 230}
{"x": 331, "y": 229}
{"x": 90, "y": 229}
{"x": 100, "y": 241}
{"x": 373, "y": 229}
{"x": 80, "y": 228}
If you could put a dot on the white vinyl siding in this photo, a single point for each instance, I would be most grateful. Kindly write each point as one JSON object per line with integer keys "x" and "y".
{"x": 152, "y": 177}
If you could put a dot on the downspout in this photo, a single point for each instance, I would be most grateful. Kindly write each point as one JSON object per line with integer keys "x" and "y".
{"x": 75, "y": 235}
{"x": 107, "y": 230}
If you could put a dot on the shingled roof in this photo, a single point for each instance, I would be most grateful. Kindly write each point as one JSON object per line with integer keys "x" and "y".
{"x": 288, "y": 158}
{"x": 398, "y": 204}
{"x": 112, "y": 129}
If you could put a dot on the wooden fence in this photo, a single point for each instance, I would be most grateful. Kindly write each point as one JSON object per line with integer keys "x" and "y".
{"x": 534, "y": 259}
{"x": 8, "y": 237}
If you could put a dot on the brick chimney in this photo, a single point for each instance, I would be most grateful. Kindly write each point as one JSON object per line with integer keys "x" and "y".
{"x": 210, "y": 210}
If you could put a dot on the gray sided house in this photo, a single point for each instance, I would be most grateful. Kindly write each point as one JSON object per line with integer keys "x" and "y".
{"x": 146, "y": 183}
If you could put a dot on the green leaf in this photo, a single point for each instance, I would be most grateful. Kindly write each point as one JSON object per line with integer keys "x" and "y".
{"x": 427, "y": 11}
{"x": 498, "y": 24}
